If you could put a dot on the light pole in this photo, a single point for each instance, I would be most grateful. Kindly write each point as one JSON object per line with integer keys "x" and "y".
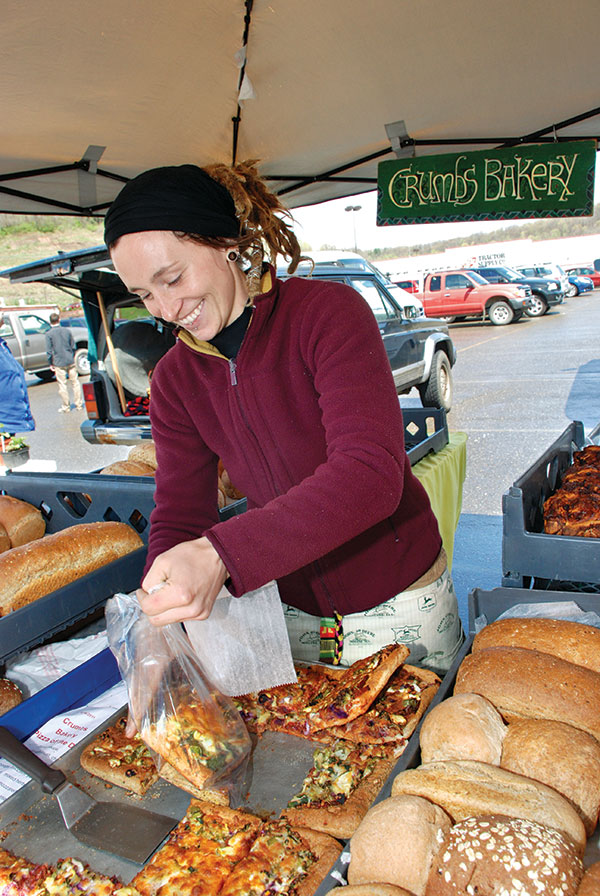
{"x": 353, "y": 208}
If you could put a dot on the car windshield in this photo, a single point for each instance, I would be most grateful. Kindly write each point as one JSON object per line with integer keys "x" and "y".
{"x": 478, "y": 278}
{"x": 510, "y": 273}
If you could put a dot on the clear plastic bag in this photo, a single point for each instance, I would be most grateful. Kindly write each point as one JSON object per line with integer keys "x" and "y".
{"x": 178, "y": 711}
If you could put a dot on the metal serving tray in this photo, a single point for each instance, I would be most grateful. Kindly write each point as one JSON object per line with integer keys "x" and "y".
{"x": 531, "y": 557}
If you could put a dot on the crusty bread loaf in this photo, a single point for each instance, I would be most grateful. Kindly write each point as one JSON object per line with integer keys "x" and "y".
{"x": 5, "y": 544}
{"x": 396, "y": 841}
{"x": 465, "y": 787}
{"x": 465, "y": 726}
{"x": 23, "y": 522}
{"x": 128, "y": 468}
{"x": 561, "y": 756}
{"x": 499, "y": 855}
{"x": 40, "y": 567}
{"x": 590, "y": 883}
{"x": 144, "y": 452}
{"x": 571, "y": 641}
{"x": 10, "y": 695}
{"x": 528, "y": 684}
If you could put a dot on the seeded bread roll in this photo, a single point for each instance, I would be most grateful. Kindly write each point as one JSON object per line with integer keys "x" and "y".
{"x": 370, "y": 890}
{"x": 529, "y": 684}
{"x": 560, "y": 756}
{"x": 396, "y": 841}
{"x": 571, "y": 641}
{"x": 590, "y": 883}
{"x": 128, "y": 468}
{"x": 494, "y": 854}
{"x": 22, "y": 521}
{"x": 33, "y": 570}
{"x": 464, "y": 787}
{"x": 10, "y": 695}
{"x": 466, "y": 726}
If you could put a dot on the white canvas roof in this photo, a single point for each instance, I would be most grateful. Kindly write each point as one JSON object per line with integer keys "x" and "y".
{"x": 153, "y": 83}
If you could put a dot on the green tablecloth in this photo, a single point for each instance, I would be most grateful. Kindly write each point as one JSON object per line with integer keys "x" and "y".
{"x": 442, "y": 476}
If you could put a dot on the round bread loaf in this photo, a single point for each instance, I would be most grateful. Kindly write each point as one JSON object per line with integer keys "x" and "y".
{"x": 22, "y": 521}
{"x": 496, "y": 854}
{"x": 571, "y": 641}
{"x": 5, "y": 544}
{"x": 144, "y": 452}
{"x": 561, "y": 756}
{"x": 396, "y": 842}
{"x": 463, "y": 787}
{"x": 128, "y": 468}
{"x": 530, "y": 684}
{"x": 590, "y": 883}
{"x": 370, "y": 890}
{"x": 466, "y": 726}
{"x": 10, "y": 695}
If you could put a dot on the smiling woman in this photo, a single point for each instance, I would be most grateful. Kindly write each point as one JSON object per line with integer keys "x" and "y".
{"x": 288, "y": 383}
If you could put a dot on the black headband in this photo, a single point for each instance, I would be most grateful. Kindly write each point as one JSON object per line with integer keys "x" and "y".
{"x": 177, "y": 198}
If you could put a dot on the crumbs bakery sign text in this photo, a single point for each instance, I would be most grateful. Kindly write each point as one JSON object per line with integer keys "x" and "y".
{"x": 549, "y": 180}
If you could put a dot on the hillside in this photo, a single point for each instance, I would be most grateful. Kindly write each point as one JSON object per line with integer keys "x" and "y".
{"x": 27, "y": 238}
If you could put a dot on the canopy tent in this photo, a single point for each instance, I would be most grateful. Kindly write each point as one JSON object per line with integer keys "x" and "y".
{"x": 95, "y": 92}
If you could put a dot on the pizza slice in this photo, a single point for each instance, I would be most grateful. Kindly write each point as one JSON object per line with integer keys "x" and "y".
{"x": 396, "y": 711}
{"x": 283, "y": 860}
{"x": 197, "y": 742}
{"x": 20, "y": 877}
{"x": 121, "y": 760}
{"x": 200, "y": 852}
{"x": 341, "y": 786}
{"x": 170, "y": 774}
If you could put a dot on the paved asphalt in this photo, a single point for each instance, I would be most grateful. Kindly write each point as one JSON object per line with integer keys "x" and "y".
{"x": 516, "y": 389}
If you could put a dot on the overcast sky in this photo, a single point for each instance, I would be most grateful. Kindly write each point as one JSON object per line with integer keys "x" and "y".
{"x": 329, "y": 224}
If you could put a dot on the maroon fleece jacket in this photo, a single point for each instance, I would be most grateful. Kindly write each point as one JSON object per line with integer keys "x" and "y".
{"x": 309, "y": 427}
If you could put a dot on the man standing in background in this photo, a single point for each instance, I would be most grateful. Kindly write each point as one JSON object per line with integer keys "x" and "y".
{"x": 60, "y": 348}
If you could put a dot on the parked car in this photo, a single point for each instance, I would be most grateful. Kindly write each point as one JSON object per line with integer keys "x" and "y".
{"x": 461, "y": 295}
{"x": 408, "y": 285}
{"x": 586, "y": 271}
{"x": 579, "y": 284}
{"x": 547, "y": 271}
{"x": 123, "y": 355}
{"x": 25, "y": 328}
{"x": 544, "y": 293}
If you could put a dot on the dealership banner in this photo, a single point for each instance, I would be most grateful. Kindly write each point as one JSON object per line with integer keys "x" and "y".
{"x": 542, "y": 180}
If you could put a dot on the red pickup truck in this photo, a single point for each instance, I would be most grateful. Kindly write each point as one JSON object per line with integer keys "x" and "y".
{"x": 457, "y": 295}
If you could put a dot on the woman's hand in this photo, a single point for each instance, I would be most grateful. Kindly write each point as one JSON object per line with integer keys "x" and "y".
{"x": 185, "y": 581}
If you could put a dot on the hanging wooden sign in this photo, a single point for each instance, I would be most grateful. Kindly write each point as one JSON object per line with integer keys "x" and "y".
{"x": 542, "y": 180}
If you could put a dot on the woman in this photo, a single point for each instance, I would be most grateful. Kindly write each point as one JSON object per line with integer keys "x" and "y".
{"x": 287, "y": 382}
{"x": 15, "y": 412}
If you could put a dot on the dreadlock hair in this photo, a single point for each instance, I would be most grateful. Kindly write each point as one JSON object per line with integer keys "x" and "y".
{"x": 263, "y": 232}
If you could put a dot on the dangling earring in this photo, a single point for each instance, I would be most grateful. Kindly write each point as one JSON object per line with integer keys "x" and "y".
{"x": 233, "y": 255}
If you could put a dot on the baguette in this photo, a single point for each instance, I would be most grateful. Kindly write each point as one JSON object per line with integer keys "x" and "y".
{"x": 22, "y": 521}
{"x": 529, "y": 684}
{"x": 5, "y": 544}
{"x": 43, "y": 566}
{"x": 571, "y": 641}
{"x": 128, "y": 468}
{"x": 465, "y": 787}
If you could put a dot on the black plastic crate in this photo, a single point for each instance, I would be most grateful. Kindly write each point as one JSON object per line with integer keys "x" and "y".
{"x": 531, "y": 557}
{"x": 487, "y": 606}
{"x": 425, "y": 431}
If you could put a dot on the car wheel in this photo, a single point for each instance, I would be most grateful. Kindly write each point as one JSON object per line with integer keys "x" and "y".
{"x": 82, "y": 362}
{"x": 572, "y": 291}
{"x": 500, "y": 314}
{"x": 537, "y": 307}
{"x": 437, "y": 391}
{"x": 448, "y": 319}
